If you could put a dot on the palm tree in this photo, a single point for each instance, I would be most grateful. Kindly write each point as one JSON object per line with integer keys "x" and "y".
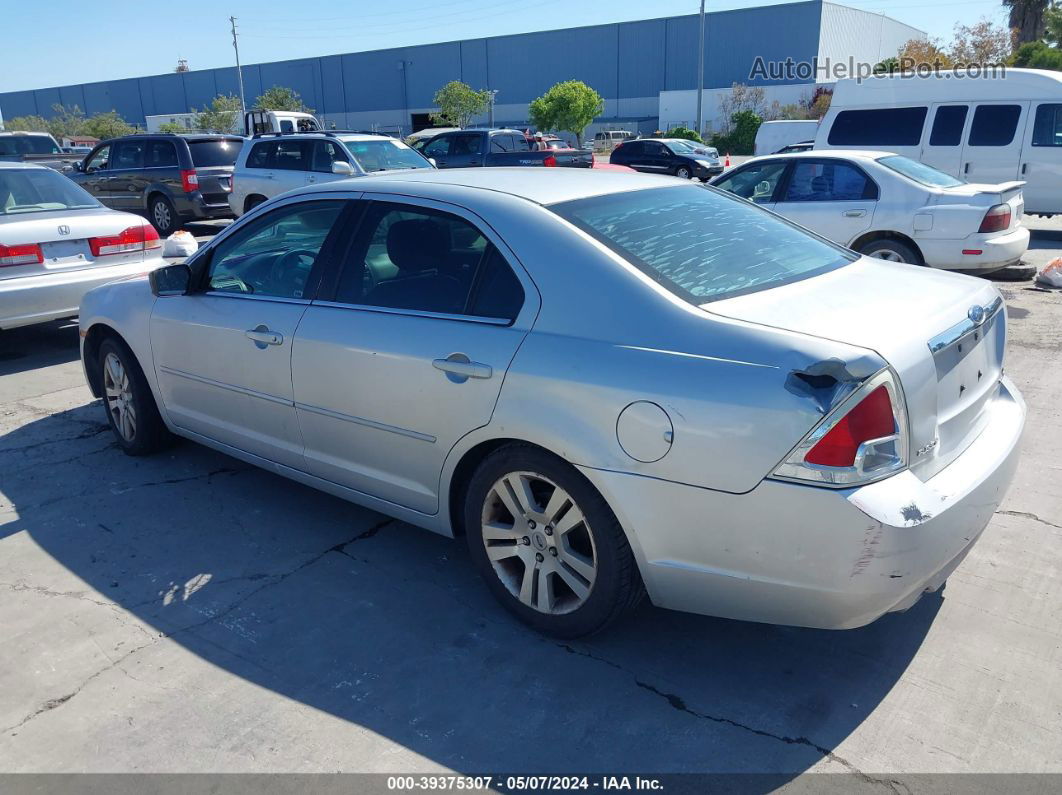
{"x": 1027, "y": 17}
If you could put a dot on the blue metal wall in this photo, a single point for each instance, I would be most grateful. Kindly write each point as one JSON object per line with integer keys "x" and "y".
{"x": 621, "y": 61}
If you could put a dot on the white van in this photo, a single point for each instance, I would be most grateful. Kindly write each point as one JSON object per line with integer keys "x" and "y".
{"x": 773, "y": 136}
{"x": 981, "y": 130}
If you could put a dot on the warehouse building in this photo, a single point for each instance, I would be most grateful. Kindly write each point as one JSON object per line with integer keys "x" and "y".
{"x": 645, "y": 70}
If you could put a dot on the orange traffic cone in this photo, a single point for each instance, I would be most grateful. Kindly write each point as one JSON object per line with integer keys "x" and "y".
{"x": 727, "y": 163}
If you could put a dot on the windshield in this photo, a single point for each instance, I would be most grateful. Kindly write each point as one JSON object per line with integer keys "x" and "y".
{"x": 919, "y": 172}
{"x": 384, "y": 154}
{"x": 702, "y": 244}
{"x": 680, "y": 147}
{"x": 206, "y": 154}
{"x": 14, "y": 145}
{"x": 37, "y": 190}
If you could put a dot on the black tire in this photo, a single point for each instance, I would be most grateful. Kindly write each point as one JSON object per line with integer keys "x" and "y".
{"x": 617, "y": 585}
{"x": 163, "y": 215}
{"x": 251, "y": 202}
{"x": 683, "y": 172}
{"x": 889, "y": 249}
{"x": 149, "y": 433}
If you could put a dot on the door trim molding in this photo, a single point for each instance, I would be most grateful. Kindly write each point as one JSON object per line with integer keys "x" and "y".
{"x": 380, "y": 426}
{"x": 222, "y": 385}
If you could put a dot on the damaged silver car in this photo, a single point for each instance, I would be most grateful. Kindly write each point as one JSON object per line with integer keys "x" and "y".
{"x": 612, "y": 385}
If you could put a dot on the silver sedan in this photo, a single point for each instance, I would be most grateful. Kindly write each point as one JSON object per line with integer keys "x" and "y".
{"x": 610, "y": 384}
{"x": 57, "y": 243}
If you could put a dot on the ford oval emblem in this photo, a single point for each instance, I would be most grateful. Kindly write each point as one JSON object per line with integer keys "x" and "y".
{"x": 64, "y": 229}
{"x": 976, "y": 315}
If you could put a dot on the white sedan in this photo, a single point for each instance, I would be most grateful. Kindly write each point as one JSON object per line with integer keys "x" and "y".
{"x": 890, "y": 207}
{"x": 57, "y": 243}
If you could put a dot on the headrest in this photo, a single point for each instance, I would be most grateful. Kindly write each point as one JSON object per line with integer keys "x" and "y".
{"x": 418, "y": 244}
{"x": 819, "y": 184}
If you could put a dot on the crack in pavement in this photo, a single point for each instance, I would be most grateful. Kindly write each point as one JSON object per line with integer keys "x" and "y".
{"x": 1029, "y": 515}
{"x": 276, "y": 579}
{"x": 678, "y": 703}
{"x": 88, "y": 433}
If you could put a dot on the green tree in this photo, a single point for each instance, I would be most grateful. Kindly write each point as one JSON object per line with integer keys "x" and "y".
{"x": 66, "y": 121}
{"x": 1053, "y": 25}
{"x": 1027, "y": 18}
{"x": 684, "y": 132}
{"x": 983, "y": 43}
{"x": 281, "y": 98}
{"x": 741, "y": 140}
{"x": 172, "y": 127}
{"x": 222, "y": 115}
{"x": 570, "y": 106}
{"x": 889, "y": 66}
{"x": 106, "y": 125}
{"x": 1037, "y": 55}
{"x": 27, "y": 124}
{"x": 458, "y": 103}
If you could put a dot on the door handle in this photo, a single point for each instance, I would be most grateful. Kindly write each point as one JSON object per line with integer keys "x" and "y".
{"x": 459, "y": 368}
{"x": 1023, "y": 167}
{"x": 966, "y": 169}
{"x": 854, "y": 213}
{"x": 262, "y": 336}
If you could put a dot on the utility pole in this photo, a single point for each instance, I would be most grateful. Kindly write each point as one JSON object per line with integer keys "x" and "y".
{"x": 700, "y": 74}
{"x": 239, "y": 72}
{"x": 490, "y": 107}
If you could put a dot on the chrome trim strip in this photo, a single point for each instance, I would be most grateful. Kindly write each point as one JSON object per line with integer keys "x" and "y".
{"x": 222, "y": 385}
{"x": 950, "y": 336}
{"x": 336, "y": 415}
{"x": 252, "y": 297}
{"x": 386, "y": 310}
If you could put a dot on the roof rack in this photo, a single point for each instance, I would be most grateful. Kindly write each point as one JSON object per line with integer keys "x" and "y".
{"x": 328, "y": 133}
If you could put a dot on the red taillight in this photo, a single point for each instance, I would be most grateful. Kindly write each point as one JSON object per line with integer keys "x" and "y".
{"x": 189, "y": 180}
{"x": 25, "y": 254}
{"x": 997, "y": 219}
{"x": 617, "y": 146}
{"x": 135, "y": 238}
{"x": 872, "y": 418}
{"x": 550, "y": 161}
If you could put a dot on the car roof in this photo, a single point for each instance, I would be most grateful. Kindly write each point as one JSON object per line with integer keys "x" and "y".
{"x": 8, "y": 166}
{"x": 853, "y": 154}
{"x": 24, "y": 132}
{"x": 540, "y": 185}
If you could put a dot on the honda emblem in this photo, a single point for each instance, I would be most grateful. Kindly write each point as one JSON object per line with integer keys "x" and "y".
{"x": 64, "y": 229}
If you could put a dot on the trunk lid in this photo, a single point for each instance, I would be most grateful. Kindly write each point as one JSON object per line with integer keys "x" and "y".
{"x": 923, "y": 322}
{"x": 984, "y": 197}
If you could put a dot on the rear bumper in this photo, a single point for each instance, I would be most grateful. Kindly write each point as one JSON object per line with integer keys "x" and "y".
{"x": 996, "y": 252}
{"x": 27, "y": 300}
{"x": 816, "y": 557}
{"x": 195, "y": 206}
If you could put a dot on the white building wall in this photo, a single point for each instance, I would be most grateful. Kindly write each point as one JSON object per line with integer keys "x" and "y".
{"x": 863, "y": 36}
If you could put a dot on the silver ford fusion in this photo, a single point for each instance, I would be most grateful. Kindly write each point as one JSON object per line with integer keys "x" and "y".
{"x": 57, "y": 243}
{"x": 610, "y": 384}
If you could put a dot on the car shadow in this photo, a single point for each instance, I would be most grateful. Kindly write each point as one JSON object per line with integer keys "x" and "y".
{"x": 43, "y": 345}
{"x": 388, "y": 627}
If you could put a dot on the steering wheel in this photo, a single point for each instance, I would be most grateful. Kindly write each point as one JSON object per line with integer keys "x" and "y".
{"x": 279, "y": 272}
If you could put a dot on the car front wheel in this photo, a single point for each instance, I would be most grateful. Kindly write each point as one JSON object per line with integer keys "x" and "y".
{"x": 130, "y": 406}
{"x": 682, "y": 172}
{"x": 547, "y": 544}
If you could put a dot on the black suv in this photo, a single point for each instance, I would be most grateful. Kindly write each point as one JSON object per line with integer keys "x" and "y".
{"x": 677, "y": 156}
{"x": 172, "y": 178}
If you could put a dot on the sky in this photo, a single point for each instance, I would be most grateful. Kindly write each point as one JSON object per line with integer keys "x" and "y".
{"x": 62, "y": 42}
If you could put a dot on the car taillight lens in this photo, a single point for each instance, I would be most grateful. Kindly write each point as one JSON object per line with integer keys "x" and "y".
{"x": 997, "y": 219}
{"x": 189, "y": 180}
{"x": 550, "y": 161}
{"x": 25, "y": 254}
{"x": 862, "y": 439}
{"x": 135, "y": 238}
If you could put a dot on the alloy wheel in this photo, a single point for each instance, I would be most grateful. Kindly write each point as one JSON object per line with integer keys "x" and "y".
{"x": 539, "y": 543}
{"x": 683, "y": 173}
{"x": 119, "y": 396}
{"x": 161, "y": 212}
{"x": 886, "y": 254}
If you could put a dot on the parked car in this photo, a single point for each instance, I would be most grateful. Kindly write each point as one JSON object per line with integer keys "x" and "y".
{"x": 774, "y": 136}
{"x": 675, "y": 156}
{"x": 607, "y": 383}
{"x": 803, "y": 146}
{"x": 888, "y": 206}
{"x": 57, "y": 243}
{"x": 269, "y": 165}
{"x": 172, "y": 178}
{"x": 420, "y": 137}
{"x": 989, "y": 130}
{"x": 605, "y": 140}
{"x": 477, "y": 148}
{"x": 34, "y": 147}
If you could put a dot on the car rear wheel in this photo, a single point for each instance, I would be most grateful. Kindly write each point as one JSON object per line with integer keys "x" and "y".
{"x": 127, "y": 399}
{"x": 682, "y": 172}
{"x": 547, "y": 544}
{"x": 163, "y": 215}
{"x": 252, "y": 202}
{"x": 891, "y": 250}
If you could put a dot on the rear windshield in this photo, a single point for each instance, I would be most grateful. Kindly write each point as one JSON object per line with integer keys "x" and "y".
{"x": 700, "y": 243}
{"x": 214, "y": 153}
{"x": 919, "y": 172}
{"x": 38, "y": 190}
{"x": 27, "y": 145}
{"x": 384, "y": 154}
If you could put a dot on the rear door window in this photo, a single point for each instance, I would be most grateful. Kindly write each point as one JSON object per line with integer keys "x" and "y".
{"x": 948, "y": 123}
{"x": 160, "y": 154}
{"x": 293, "y": 155}
{"x": 878, "y": 127}
{"x": 828, "y": 181}
{"x": 1047, "y": 128}
{"x": 208, "y": 154}
{"x": 994, "y": 125}
{"x": 466, "y": 144}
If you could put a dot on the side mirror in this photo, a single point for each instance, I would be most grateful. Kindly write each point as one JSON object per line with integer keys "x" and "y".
{"x": 171, "y": 280}
{"x": 345, "y": 169}
{"x": 79, "y": 166}
{"x": 432, "y": 161}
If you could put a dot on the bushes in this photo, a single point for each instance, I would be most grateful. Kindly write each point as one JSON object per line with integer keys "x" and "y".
{"x": 684, "y": 132}
{"x": 741, "y": 140}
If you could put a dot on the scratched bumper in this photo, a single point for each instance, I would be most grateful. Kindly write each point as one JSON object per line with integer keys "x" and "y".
{"x": 814, "y": 557}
